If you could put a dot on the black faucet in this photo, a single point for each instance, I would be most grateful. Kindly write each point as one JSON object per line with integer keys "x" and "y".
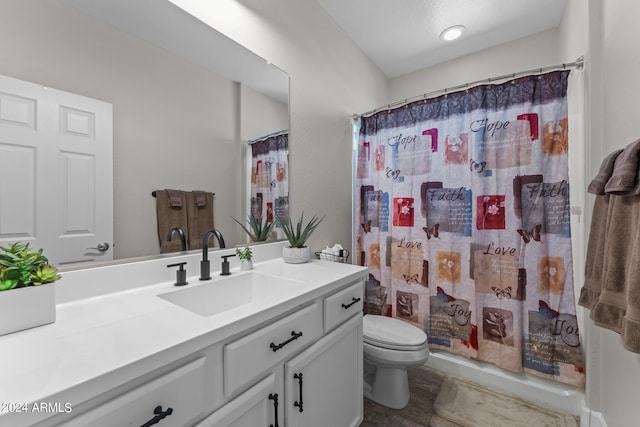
{"x": 205, "y": 266}
{"x": 183, "y": 240}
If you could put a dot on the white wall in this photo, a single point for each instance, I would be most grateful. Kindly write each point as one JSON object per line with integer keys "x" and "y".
{"x": 261, "y": 114}
{"x": 330, "y": 79}
{"x": 613, "y": 374}
{"x": 539, "y": 50}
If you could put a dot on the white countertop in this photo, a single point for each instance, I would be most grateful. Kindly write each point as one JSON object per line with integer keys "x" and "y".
{"x": 94, "y": 340}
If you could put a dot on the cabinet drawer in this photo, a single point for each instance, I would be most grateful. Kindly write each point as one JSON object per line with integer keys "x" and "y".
{"x": 254, "y": 407}
{"x": 255, "y": 353}
{"x": 342, "y": 305}
{"x": 182, "y": 390}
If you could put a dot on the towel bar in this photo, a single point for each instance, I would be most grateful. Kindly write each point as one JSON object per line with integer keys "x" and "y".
{"x": 153, "y": 193}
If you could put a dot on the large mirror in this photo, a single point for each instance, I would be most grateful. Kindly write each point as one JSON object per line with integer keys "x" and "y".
{"x": 185, "y": 98}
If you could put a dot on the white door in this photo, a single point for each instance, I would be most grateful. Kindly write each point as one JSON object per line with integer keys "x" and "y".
{"x": 56, "y": 172}
{"x": 323, "y": 384}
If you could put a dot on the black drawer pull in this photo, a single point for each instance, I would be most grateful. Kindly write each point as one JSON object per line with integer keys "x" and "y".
{"x": 353, "y": 301}
{"x": 299, "y": 378}
{"x": 294, "y": 336}
{"x": 159, "y": 416}
{"x": 274, "y": 397}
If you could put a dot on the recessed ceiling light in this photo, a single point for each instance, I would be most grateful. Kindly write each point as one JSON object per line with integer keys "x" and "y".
{"x": 452, "y": 33}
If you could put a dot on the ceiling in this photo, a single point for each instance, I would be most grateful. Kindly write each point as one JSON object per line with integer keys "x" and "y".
{"x": 402, "y": 36}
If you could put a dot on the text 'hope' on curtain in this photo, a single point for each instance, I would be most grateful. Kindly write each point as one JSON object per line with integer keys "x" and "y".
{"x": 464, "y": 222}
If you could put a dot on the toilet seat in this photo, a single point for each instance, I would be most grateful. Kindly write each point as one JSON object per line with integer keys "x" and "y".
{"x": 390, "y": 333}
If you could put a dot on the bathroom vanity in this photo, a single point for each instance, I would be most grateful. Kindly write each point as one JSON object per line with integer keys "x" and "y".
{"x": 280, "y": 345}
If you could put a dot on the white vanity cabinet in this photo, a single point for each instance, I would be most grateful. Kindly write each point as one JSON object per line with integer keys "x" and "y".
{"x": 323, "y": 384}
{"x": 315, "y": 382}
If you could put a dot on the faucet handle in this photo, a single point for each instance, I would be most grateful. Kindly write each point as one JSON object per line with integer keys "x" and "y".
{"x": 181, "y": 274}
{"x": 225, "y": 265}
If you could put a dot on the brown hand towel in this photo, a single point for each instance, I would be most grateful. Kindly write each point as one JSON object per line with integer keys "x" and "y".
{"x": 606, "y": 169}
{"x": 594, "y": 263}
{"x": 199, "y": 218}
{"x": 618, "y": 304}
{"x": 176, "y": 198}
{"x": 200, "y": 198}
{"x": 624, "y": 178}
{"x": 169, "y": 217}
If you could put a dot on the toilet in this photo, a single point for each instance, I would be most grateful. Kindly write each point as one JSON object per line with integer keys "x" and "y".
{"x": 391, "y": 346}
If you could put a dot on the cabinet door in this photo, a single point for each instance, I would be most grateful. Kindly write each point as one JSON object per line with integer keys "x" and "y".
{"x": 323, "y": 384}
{"x": 260, "y": 406}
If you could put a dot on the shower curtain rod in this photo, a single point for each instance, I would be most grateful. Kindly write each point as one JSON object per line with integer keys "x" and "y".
{"x": 578, "y": 64}
{"x": 262, "y": 138}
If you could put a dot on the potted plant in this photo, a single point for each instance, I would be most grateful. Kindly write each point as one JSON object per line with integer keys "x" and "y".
{"x": 246, "y": 258}
{"x": 258, "y": 231}
{"x": 24, "y": 303}
{"x": 297, "y": 252}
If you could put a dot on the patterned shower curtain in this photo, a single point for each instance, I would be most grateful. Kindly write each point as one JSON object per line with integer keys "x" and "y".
{"x": 463, "y": 214}
{"x": 270, "y": 181}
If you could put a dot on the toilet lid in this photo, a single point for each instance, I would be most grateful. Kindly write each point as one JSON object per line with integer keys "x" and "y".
{"x": 383, "y": 331}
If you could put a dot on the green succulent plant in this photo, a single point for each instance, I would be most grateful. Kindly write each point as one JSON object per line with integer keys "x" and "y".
{"x": 21, "y": 266}
{"x": 298, "y": 234}
{"x": 244, "y": 253}
{"x": 258, "y": 231}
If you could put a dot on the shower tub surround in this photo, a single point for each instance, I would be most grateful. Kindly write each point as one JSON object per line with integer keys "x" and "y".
{"x": 119, "y": 353}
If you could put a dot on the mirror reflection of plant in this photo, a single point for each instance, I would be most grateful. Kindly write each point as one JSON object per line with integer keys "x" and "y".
{"x": 244, "y": 253}
{"x": 20, "y": 266}
{"x": 298, "y": 234}
{"x": 258, "y": 231}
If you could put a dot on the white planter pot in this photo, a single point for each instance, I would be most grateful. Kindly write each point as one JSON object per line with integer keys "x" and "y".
{"x": 246, "y": 264}
{"x": 295, "y": 255}
{"x": 25, "y": 308}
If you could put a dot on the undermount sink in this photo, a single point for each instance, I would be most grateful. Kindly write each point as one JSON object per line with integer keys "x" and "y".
{"x": 228, "y": 293}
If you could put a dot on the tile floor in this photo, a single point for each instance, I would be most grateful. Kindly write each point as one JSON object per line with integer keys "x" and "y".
{"x": 424, "y": 384}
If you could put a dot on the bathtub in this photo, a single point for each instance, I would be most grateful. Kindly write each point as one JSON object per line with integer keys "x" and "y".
{"x": 554, "y": 395}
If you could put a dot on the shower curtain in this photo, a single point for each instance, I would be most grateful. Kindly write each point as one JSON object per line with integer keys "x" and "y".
{"x": 463, "y": 222}
{"x": 270, "y": 181}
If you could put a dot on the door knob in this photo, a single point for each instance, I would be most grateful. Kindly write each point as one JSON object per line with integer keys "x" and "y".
{"x": 102, "y": 247}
